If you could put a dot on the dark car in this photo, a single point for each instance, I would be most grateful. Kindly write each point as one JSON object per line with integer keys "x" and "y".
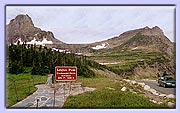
{"x": 166, "y": 81}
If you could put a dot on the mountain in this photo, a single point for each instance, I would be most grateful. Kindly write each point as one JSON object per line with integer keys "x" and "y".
{"x": 140, "y": 52}
{"x": 133, "y": 52}
{"x": 22, "y": 27}
{"x": 152, "y": 39}
{"x": 144, "y": 38}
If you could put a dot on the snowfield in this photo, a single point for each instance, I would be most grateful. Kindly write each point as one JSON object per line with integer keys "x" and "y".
{"x": 35, "y": 42}
{"x": 102, "y": 46}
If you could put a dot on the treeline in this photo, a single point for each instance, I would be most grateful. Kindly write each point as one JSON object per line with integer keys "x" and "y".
{"x": 43, "y": 60}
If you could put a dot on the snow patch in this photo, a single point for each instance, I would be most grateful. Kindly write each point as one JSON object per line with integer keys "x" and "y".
{"x": 68, "y": 52}
{"x": 19, "y": 40}
{"x": 102, "y": 46}
{"x": 45, "y": 41}
{"x": 35, "y": 42}
{"x": 60, "y": 50}
{"x": 78, "y": 53}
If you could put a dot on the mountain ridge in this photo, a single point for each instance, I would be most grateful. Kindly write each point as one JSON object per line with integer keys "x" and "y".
{"x": 151, "y": 36}
{"x": 23, "y": 27}
{"x": 131, "y": 49}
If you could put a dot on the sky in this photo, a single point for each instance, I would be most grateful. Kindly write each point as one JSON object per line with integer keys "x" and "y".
{"x": 88, "y": 24}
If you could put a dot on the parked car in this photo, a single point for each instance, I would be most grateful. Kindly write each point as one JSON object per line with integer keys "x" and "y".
{"x": 167, "y": 81}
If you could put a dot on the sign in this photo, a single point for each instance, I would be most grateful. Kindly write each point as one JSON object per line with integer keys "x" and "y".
{"x": 66, "y": 73}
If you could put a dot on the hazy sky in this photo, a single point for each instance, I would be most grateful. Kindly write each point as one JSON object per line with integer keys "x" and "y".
{"x": 86, "y": 24}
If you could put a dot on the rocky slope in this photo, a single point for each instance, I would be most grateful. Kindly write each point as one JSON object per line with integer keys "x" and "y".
{"x": 23, "y": 27}
{"x": 150, "y": 39}
{"x": 148, "y": 48}
{"x": 143, "y": 38}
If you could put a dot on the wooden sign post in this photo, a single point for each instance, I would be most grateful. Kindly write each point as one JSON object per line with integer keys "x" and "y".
{"x": 66, "y": 73}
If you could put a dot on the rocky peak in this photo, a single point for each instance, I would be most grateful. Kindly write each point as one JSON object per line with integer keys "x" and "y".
{"x": 21, "y": 22}
{"x": 158, "y": 30}
{"x": 152, "y": 31}
{"x": 146, "y": 28}
{"x": 22, "y": 27}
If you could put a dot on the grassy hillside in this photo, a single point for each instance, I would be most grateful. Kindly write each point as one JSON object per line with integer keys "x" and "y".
{"x": 108, "y": 94}
{"x": 124, "y": 62}
{"x": 139, "y": 53}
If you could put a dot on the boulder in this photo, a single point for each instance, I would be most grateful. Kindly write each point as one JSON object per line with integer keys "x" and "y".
{"x": 171, "y": 105}
{"x": 141, "y": 84}
{"x": 134, "y": 92}
{"x": 171, "y": 96}
{"x": 133, "y": 82}
{"x": 123, "y": 89}
{"x": 160, "y": 102}
{"x": 153, "y": 101}
{"x": 127, "y": 80}
{"x": 146, "y": 87}
{"x": 153, "y": 91}
{"x": 162, "y": 95}
{"x": 156, "y": 93}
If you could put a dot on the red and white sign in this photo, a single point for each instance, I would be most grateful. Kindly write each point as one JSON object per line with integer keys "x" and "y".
{"x": 66, "y": 73}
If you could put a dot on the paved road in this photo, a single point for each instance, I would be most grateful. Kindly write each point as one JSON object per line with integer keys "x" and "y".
{"x": 153, "y": 84}
{"x": 44, "y": 96}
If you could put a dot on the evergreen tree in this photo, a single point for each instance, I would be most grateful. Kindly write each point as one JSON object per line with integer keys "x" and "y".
{"x": 43, "y": 60}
